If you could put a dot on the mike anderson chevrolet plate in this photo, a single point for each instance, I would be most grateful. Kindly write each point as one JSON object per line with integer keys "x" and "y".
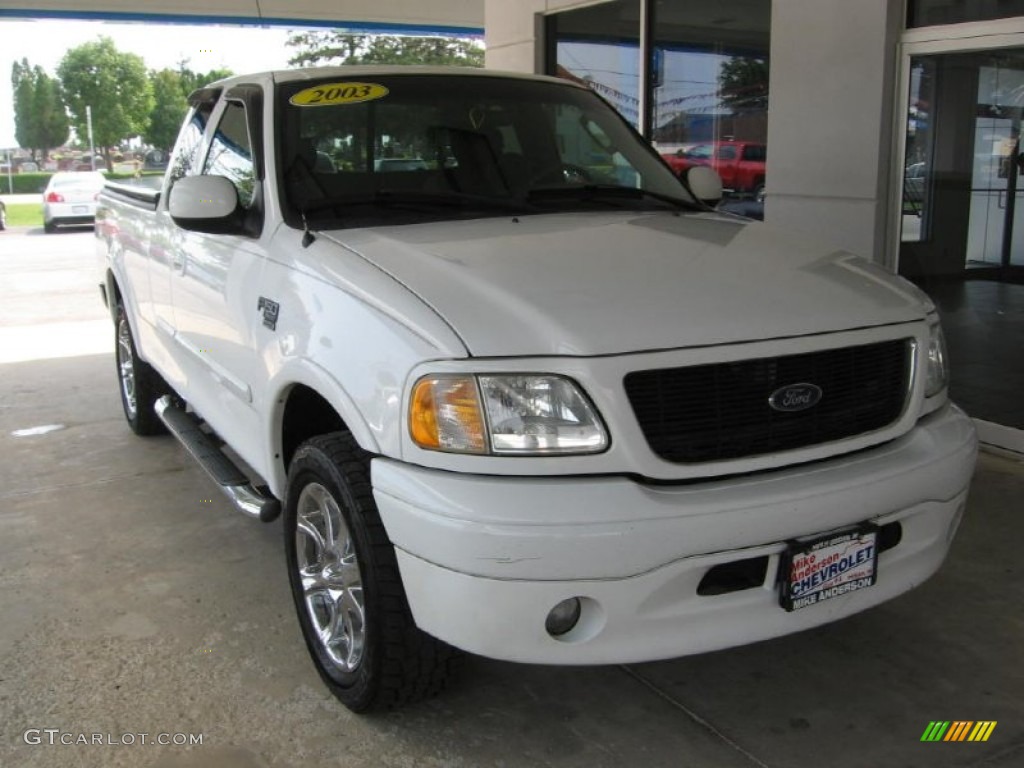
{"x": 820, "y": 569}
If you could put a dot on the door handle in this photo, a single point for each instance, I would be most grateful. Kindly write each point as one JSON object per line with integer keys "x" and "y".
{"x": 178, "y": 261}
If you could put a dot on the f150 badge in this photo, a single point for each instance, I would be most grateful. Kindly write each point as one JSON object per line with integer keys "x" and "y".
{"x": 270, "y": 310}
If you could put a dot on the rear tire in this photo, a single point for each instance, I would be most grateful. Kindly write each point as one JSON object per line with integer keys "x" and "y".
{"x": 139, "y": 384}
{"x": 49, "y": 227}
{"x": 348, "y": 592}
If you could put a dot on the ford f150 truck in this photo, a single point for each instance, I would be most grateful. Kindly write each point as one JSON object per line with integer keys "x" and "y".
{"x": 529, "y": 397}
{"x": 741, "y": 164}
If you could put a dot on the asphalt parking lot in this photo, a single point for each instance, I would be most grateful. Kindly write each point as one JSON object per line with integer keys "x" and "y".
{"x": 135, "y": 601}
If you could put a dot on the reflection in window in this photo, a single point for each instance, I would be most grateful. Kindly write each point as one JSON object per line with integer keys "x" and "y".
{"x": 231, "y": 153}
{"x": 599, "y": 46}
{"x": 917, "y": 168}
{"x": 190, "y": 139}
{"x": 708, "y": 76}
{"x": 710, "y": 81}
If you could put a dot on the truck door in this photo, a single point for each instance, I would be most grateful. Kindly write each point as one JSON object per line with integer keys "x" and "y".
{"x": 159, "y": 241}
{"x": 215, "y": 282}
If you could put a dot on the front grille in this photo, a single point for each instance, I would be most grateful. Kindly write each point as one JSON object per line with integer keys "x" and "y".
{"x": 720, "y": 411}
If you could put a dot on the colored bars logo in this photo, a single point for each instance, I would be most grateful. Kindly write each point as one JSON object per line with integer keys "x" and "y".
{"x": 958, "y": 730}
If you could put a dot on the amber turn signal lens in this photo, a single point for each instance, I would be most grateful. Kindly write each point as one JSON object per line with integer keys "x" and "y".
{"x": 445, "y": 415}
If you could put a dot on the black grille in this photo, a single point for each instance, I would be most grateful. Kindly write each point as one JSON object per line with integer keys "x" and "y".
{"x": 720, "y": 411}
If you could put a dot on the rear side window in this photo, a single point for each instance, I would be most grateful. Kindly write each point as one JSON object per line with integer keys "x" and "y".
{"x": 755, "y": 152}
{"x": 230, "y": 153}
{"x": 727, "y": 153}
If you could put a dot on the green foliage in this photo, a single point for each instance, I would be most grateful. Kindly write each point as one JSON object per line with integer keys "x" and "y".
{"x": 190, "y": 80}
{"x": 115, "y": 85}
{"x": 744, "y": 84}
{"x": 25, "y": 215}
{"x": 40, "y": 119}
{"x": 171, "y": 104}
{"x": 21, "y": 83}
{"x": 171, "y": 89}
{"x": 336, "y": 47}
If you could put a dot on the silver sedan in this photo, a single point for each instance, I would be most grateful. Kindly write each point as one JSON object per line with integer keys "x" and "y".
{"x": 70, "y": 198}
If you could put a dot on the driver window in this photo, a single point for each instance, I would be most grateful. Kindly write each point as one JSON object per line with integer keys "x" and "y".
{"x": 190, "y": 140}
{"x": 230, "y": 153}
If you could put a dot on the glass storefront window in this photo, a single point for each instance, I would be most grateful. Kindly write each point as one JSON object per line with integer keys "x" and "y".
{"x": 927, "y": 13}
{"x": 708, "y": 77}
{"x": 918, "y": 168}
{"x": 599, "y": 46}
{"x": 710, "y": 82}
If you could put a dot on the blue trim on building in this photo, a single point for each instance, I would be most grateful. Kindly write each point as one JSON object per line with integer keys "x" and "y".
{"x": 364, "y": 27}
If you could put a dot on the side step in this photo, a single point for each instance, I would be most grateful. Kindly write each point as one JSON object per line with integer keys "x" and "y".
{"x": 255, "y": 502}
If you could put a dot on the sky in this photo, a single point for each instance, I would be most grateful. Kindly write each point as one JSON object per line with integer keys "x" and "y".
{"x": 241, "y": 49}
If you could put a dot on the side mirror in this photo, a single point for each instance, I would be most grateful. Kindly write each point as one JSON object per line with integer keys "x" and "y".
{"x": 704, "y": 184}
{"x": 205, "y": 204}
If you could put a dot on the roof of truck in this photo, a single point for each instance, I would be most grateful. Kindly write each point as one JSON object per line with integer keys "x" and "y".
{"x": 370, "y": 70}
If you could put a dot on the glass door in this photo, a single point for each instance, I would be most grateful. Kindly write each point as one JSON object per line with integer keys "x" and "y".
{"x": 996, "y": 224}
{"x": 962, "y": 218}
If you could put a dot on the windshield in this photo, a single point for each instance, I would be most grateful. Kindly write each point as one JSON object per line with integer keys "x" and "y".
{"x": 364, "y": 151}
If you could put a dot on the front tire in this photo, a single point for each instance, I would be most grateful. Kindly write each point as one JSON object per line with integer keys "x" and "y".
{"x": 139, "y": 384}
{"x": 347, "y": 589}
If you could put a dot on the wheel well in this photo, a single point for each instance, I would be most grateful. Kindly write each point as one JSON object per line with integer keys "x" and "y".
{"x": 306, "y": 415}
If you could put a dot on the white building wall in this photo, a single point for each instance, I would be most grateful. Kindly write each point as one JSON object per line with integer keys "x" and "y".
{"x": 513, "y": 32}
{"x": 830, "y": 119}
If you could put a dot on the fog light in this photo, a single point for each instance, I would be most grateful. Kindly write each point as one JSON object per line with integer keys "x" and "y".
{"x": 563, "y": 617}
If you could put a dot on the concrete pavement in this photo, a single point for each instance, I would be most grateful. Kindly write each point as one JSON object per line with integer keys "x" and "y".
{"x": 135, "y": 601}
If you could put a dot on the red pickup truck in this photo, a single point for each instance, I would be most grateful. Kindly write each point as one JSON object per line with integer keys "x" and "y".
{"x": 741, "y": 164}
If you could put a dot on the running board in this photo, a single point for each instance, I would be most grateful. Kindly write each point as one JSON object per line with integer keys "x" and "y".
{"x": 252, "y": 501}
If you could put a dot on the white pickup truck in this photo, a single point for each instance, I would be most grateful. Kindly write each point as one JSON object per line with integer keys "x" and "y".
{"x": 516, "y": 388}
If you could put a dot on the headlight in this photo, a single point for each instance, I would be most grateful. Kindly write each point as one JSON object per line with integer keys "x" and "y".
{"x": 938, "y": 366}
{"x": 524, "y": 415}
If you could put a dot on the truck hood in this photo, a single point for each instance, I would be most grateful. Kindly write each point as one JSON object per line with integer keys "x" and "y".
{"x": 607, "y": 283}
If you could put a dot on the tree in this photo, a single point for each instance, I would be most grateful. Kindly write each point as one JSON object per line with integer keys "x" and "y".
{"x": 171, "y": 104}
{"x": 52, "y": 127}
{"x": 744, "y": 84}
{"x": 24, "y": 116}
{"x": 337, "y": 47}
{"x": 190, "y": 80}
{"x": 171, "y": 89}
{"x": 40, "y": 119}
{"x": 115, "y": 85}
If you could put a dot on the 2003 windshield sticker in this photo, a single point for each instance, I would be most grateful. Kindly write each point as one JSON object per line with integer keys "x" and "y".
{"x": 331, "y": 94}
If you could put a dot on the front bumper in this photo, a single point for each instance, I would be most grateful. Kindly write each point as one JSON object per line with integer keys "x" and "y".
{"x": 485, "y": 558}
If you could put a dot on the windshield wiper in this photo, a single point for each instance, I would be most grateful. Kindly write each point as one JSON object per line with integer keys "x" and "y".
{"x": 605, "y": 192}
{"x": 407, "y": 200}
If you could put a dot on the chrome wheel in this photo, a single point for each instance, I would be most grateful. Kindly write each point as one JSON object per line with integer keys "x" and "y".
{"x": 331, "y": 583}
{"x": 126, "y": 367}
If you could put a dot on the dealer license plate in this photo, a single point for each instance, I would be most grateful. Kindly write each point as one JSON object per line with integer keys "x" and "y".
{"x": 79, "y": 208}
{"x": 837, "y": 564}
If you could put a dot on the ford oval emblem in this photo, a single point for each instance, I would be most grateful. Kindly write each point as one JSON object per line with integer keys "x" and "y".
{"x": 795, "y": 397}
